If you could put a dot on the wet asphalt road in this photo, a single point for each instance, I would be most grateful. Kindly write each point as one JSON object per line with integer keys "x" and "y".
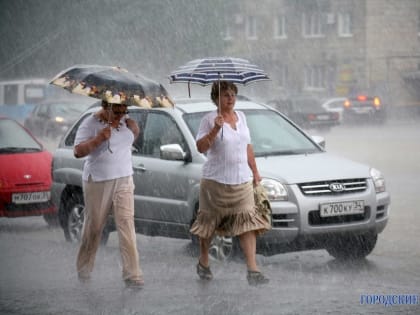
{"x": 37, "y": 266}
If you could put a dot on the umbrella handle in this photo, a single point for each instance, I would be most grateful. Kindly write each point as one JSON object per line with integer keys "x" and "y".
{"x": 109, "y": 124}
{"x": 220, "y": 109}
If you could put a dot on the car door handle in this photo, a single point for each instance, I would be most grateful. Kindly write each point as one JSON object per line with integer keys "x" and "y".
{"x": 140, "y": 168}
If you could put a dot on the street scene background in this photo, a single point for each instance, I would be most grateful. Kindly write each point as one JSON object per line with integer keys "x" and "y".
{"x": 152, "y": 38}
{"x": 37, "y": 265}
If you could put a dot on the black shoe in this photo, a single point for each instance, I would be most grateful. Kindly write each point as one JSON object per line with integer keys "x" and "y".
{"x": 256, "y": 278}
{"x": 134, "y": 284}
{"x": 204, "y": 272}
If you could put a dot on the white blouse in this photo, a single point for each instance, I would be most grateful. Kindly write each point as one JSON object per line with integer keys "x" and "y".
{"x": 227, "y": 158}
{"x": 101, "y": 164}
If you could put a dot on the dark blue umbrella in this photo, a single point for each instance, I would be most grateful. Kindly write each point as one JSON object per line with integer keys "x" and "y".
{"x": 208, "y": 70}
{"x": 215, "y": 69}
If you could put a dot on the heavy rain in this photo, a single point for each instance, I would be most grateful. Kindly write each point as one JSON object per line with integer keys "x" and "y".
{"x": 322, "y": 49}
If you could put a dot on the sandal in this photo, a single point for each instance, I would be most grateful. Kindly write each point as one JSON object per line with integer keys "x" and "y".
{"x": 204, "y": 272}
{"x": 256, "y": 278}
{"x": 134, "y": 284}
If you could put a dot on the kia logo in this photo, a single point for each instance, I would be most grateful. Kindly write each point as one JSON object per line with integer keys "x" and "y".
{"x": 336, "y": 187}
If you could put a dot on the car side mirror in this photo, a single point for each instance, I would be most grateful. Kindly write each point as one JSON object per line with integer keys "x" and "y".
{"x": 319, "y": 140}
{"x": 172, "y": 152}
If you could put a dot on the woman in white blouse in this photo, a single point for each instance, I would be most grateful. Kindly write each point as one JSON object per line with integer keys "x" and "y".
{"x": 105, "y": 139}
{"x": 226, "y": 202}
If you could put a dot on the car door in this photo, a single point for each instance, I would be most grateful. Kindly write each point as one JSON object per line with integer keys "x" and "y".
{"x": 163, "y": 187}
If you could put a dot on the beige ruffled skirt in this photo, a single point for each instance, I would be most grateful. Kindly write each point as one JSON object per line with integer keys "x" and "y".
{"x": 227, "y": 210}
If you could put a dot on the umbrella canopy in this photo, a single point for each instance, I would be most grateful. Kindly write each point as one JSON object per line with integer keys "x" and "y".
{"x": 208, "y": 70}
{"x": 212, "y": 69}
{"x": 114, "y": 85}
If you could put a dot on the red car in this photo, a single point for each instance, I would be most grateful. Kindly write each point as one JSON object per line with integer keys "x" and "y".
{"x": 25, "y": 174}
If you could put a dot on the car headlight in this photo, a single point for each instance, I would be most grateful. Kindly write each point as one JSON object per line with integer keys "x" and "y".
{"x": 274, "y": 189}
{"x": 378, "y": 180}
{"x": 59, "y": 119}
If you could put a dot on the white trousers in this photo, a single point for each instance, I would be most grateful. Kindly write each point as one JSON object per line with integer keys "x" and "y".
{"x": 100, "y": 198}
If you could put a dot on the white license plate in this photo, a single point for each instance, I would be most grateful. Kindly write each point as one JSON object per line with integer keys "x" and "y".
{"x": 363, "y": 110}
{"x": 40, "y": 196}
{"x": 342, "y": 208}
{"x": 323, "y": 117}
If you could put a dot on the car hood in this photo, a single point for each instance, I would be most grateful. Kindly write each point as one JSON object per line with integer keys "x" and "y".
{"x": 23, "y": 169}
{"x": 293, "y": 169}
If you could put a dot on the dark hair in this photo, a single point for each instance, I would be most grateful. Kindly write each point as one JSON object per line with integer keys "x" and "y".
{"x": 104, "y": 104}
{"x": 224, "y": 85}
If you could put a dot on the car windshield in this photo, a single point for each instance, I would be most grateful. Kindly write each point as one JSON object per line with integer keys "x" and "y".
{"x": 70, "y": 110}
{"x": 271, "y": 134}
{"x": 13, "y": 138}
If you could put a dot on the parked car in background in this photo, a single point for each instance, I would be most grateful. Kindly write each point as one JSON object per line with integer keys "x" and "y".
{"x": 18, "y": 97}
{"x": 335, "y": 105}
{"x": 364, "y": 108}
{"x": 307, "y": 112}
{"x": 52, "y": 118}
{"x": 318, "y": 200}
{"x": 25, "y": 174}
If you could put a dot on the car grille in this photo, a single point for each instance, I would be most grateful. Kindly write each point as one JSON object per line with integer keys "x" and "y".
{"x": 325, "y": 187}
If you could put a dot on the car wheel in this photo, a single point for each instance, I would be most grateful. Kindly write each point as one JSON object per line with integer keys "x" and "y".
{"x": 352, "y": 246}
{"x": 51, "y": 219}
{"x": 223, "y": 248}
{"x": 73, "y": 218}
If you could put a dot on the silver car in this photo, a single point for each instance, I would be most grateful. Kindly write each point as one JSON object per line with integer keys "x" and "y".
{"x": 318, "y": 200}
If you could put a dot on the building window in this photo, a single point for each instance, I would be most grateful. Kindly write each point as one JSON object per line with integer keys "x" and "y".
{"x": 251, "y": 27}
{"x": 314, "y": 77}
{"x": 227, "y": 35}
{"x": 312, "y": 25}
{"x": 280, "y": 27}
{"x": 345, "y": 25}
{"x": 418, "y": 22}
{"x": 282, "y": 76}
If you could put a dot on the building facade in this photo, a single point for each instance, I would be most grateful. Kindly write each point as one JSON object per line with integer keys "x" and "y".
{"x": 330, "y": 47}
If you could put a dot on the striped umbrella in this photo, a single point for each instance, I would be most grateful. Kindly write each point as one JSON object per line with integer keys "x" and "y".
{"x": 208, "y": 70}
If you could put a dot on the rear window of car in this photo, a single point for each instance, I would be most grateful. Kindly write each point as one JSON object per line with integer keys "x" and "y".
{"x": 12, "y": 135}
{"x": 271, "y": 134}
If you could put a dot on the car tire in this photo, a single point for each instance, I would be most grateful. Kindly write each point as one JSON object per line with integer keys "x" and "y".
{"x": 224, "y": 248}
{"x": 72, "y": 218}
{"x": 221, "y": 248}
{"x": 51, "y": 219}
{"x": 352, "y": 247}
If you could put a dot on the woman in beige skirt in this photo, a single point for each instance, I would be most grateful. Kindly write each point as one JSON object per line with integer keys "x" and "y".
{"x": 226, "y": 192}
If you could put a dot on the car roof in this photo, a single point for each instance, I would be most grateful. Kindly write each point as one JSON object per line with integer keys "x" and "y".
{"x": 197, "y": 105}
{"x": 67, "y": 101}
{"x": 203, "y": 105}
